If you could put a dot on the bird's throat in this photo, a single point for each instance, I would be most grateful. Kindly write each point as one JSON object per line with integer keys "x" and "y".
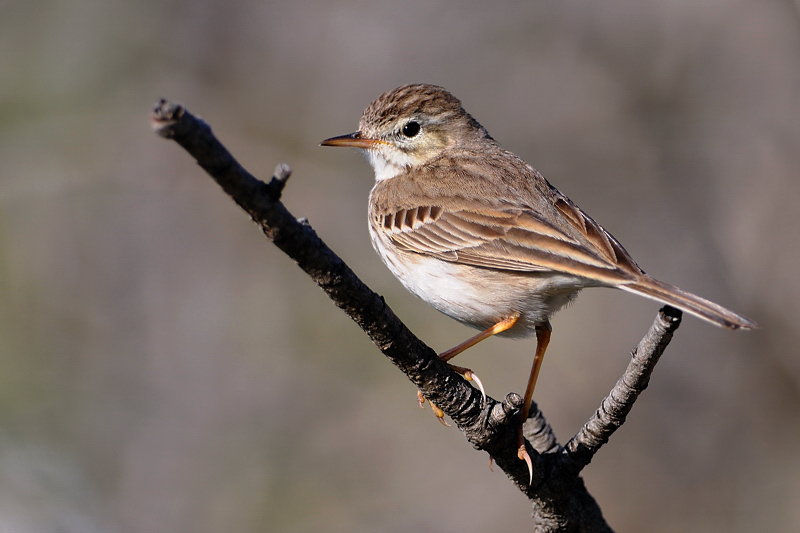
{"x": 384, "y": 168}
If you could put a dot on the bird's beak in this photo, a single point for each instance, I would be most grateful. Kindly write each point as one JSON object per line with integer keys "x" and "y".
{"x": 351, "y": 139}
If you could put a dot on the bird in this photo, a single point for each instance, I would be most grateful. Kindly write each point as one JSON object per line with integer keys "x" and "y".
{"x": 483, "y": 237}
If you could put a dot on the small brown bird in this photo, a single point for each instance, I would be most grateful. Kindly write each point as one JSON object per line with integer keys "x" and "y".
{"x": 479, "y": 234}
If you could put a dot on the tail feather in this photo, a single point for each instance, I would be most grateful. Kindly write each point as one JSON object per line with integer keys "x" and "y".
{"x": 688, "y": 302}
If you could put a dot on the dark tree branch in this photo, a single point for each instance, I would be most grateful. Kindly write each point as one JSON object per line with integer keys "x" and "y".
{"x": 579, "y": 451}
{"x": 560, "y": 499}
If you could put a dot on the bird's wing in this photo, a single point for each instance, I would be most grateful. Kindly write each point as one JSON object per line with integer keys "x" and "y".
{"x": 512, "y": 238}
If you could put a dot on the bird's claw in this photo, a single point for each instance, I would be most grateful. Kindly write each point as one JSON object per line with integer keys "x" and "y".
{"x": 439, "y": 414}
{"x": 469, "y": 375}
{"x": 522, "y": 453}
{"x": 436, "y": 411}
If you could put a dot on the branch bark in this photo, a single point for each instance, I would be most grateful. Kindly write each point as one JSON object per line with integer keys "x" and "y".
{"x": 560, "y": 499}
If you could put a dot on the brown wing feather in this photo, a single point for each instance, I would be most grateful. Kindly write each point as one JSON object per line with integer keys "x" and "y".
{"x": 506, "y": 239}
{"x": 602, "y": 240}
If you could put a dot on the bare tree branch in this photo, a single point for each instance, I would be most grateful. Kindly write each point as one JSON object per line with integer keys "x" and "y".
{"x": 560, "y": 499}
{"x": 580, "y": 449}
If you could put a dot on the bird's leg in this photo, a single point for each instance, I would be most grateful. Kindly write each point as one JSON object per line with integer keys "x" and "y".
{"x": 468, "y": 374}
{"x": 500, "y": 327}
{"x": 542, "y": 340}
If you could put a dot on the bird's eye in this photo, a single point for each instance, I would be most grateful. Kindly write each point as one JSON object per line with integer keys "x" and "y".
{"x": 411, "y": 129}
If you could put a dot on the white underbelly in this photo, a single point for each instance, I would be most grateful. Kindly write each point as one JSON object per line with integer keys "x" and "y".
{"x": 481, "y": 297}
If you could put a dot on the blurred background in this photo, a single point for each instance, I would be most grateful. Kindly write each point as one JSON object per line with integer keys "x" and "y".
{"x": 164, "y": 368}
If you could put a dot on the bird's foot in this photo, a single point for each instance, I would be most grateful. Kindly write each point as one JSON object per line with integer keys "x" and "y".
{"x": 469, "y": 375}
{"x": 436, "y": 411}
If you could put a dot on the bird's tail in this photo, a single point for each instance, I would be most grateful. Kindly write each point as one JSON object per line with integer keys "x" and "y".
{"x": 686, "y": 301}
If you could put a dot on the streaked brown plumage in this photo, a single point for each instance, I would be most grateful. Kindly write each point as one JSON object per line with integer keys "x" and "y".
{"x": 478, "y": 233}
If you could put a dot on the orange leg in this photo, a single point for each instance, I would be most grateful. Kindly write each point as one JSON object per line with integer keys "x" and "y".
{"x": 500, "y": 327}
{"x": 468, "y": 374}
{"x": 542, "y": 340}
